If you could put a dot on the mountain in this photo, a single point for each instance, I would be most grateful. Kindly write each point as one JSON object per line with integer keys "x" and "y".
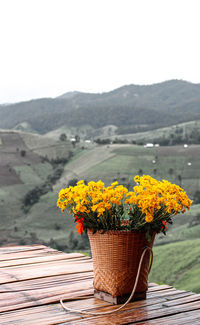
{"x": 69, "y": 94}
{"x": 132, "y": 106}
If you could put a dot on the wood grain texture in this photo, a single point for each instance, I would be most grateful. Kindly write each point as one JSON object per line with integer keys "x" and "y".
{"x": 34, "y": 278}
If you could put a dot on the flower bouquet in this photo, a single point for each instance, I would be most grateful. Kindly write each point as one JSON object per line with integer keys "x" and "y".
{"x": 148, "y": 208}
{"x": 120, "y": 224}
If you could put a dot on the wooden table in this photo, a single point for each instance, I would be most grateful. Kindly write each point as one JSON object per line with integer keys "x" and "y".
{"x": 34, "y": 278}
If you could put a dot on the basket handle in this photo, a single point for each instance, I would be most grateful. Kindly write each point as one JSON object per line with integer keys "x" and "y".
{"x": 129, "y": 299}
{"x": 151, "y": 257}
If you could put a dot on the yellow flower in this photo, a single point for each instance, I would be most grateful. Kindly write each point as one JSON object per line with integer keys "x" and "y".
{"x": 80, "y": 182}
{"x": 149, "y": 200}
{"x": 148, "y": 218}
{"x": 114, "y": 184}
{"x": 136, "y": 179}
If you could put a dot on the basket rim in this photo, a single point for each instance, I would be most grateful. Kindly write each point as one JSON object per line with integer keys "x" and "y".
{"x": 124, "y": 232}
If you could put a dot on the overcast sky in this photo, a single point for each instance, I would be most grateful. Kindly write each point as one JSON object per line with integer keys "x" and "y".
{"x": 49, "y": 47}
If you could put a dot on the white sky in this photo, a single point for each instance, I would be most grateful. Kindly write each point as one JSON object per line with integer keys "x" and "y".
{"x": 49, "y": 47}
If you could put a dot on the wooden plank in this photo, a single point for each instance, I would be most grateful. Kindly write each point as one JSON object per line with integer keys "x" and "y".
{"x": 21, "y": 273}
{"x": 39, "y": 290}
{"x": 27, "y": 253}
{"x": 28, "y": 301}
{"x": 46, "y": 282}
{"x": 180, "y": 295}
{"x": 187, "y": 318}
{"x": 41, "y": 259}
{"x": 181, "y": 301}
{"x": 17, "y": 248}
{"x": 137, "y": 315}
{"x": 34, "y": 253}
{"x": 53, "y": 314}
{"x": 159, "y": 287}
{"x": 43, "y": 292}
{"x": 37, "y": 295}
{"x": 153, "y": 305}
{"x": 164, "y": 293}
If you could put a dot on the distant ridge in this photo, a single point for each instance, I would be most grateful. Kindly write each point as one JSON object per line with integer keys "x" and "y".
{"x": 69, "y": 94}
{"x": 130, "y": 106}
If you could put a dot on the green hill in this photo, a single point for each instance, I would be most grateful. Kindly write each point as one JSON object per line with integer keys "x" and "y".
{"x": 108, "y": 163}
{"x": 36, "y": 175}
{"x": 177, "y": 264}
{"x": 188, "y": 132}
{"x": 130, "y": 108}
{"x": 29, "y": 166}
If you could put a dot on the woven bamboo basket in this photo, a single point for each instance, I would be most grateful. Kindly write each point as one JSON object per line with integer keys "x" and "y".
{"x": 116, "y": 256}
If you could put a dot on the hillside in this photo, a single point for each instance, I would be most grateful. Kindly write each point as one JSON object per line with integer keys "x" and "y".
{"x": 182, "y": 133}
{"x": 22, "y": 172}
{"x": 109, "y": 163}
{"x": 176, "y": 260}
{"x": 177, "y": 264}
{"x": 130, "y": 108}
{"x": 122, "y": 162}
{"x": 29, "y": 166}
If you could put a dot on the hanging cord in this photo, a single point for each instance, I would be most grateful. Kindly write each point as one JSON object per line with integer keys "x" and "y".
{"x": 129, "y": 299}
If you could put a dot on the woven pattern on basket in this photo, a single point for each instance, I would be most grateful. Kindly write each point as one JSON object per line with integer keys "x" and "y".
{"x": 116, "y": 256}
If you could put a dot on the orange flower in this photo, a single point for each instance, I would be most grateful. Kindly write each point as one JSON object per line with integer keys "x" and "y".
{"x": 165, "y": 224}
{"x": 79, "y": 226}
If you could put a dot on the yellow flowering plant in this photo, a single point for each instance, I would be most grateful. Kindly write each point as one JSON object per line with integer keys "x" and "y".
{"x": 148, "y": 208}
{"x": 94, "y": 205}
{"x": 152, "y": 204}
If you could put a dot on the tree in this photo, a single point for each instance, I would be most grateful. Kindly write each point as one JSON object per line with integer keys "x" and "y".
{"x": 140, "y": 172}
{"x": 73, "y": 182}
{"x": 170, "y": 171}
{"x": 180, "y": 179}
{"x": 77, "y": 138}
{"x": 196, "y": 197}
{"x": 23, "y": 153}
{"x": 63, "y": 137}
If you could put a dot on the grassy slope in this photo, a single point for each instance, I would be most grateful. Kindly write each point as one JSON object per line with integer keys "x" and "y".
{"x": 47, "y": 146}
{"x": 183, "y": 227}
{"x": 125, "y": 161}
{"x": 106, "y": 163}
{"x": 112, "y": 132}
{"x": 44, "y": 219}
{"x": 32, "y": 174}
{"x": 157, "y": 133}
{"x": 84, "y": 159}
{"x": 177, "y": 264}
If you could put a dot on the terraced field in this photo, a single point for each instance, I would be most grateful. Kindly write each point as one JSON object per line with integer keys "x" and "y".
{"x": 122, "y": 162}
{"x": 14, "y": 152}
{"x": 79, "y": 167}
{"x": 22, "y": 169}
{"x": 152, "y": 135}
